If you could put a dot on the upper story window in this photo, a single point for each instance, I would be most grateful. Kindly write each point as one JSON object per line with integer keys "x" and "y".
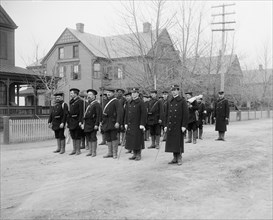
{"x": 3, "y": 45}
{"x": 76, "y": 72}
{"x": 61, "y": 53}
{"x": 115, "y": 71}
{"x": 75, "y": 51}
{"x": 97, "y": 71}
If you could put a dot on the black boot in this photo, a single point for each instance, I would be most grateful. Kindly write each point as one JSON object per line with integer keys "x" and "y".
{"x": 94, "y": 148}
{"x": 134, "y": 155}
{"x": 62, "y": 146}
{"x": 174, "y": 160}
{"x": 110, "y": 150}
{"x": 179, "y": 159}
{"x": 153, "y": 142}
{"x": 222, "y": 136}
{"x": 157, "y": 140}
{"x": 78, "y": 146}
{"x": 194, "y": 136}
{"x": 189, "y": 137}
{"x": 58, "y": 146}
{"x": 200, "y": 133}
{"x": 219, "y": 136}
{"x": 138, "y": 155}
{"x": 74, "y": 147}
{"x": 89, "y": 144}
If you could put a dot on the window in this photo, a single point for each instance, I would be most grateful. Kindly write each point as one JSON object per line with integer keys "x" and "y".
{"x": 75, "y": 72}
{"x": 75, "y": 51}
{"x": 3, "y": 45}
{"x": 61, "y": 53}
{"x": 97, "y": 71}
{"x": 3, "y": 93}
{"x": 115, "y": 71}
{"x": 61, "y": 71}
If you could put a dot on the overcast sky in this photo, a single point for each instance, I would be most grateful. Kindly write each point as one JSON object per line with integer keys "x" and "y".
{"x": 42, "y": 22}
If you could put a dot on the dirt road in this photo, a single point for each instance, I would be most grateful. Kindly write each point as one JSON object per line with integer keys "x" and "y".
{"x": 218, "y": 180}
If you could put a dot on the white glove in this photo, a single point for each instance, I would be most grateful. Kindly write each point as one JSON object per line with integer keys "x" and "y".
{"x": 125, "y": 126}
{"x": 142, "y": 127}
{"x": 165, "y": 129}
{"x": 183, "y": 129}
{"x": 61, "y": 125}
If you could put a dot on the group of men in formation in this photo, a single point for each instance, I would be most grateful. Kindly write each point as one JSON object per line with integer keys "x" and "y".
{"x": 128, "y": 118}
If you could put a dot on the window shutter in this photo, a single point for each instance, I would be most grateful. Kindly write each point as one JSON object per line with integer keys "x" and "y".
{"x": 71, "y": 73}
{"x": 79, "y": 74}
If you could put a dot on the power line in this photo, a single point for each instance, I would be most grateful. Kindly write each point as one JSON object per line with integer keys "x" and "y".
{"x": 223, "y": 30}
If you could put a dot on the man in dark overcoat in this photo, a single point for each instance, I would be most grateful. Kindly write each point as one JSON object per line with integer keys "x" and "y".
{"x": 135, "y": 120}
{"x": 146, "y": 100}
{"x": 57, "y": 120}
{"x": 111, "y": 120}
{"x": 155, "y": 119}
{"x": 91, "y": 121}
{"x": 83, "y": 96}
{"x": 74, "y": 120}
{"x": 221, "y": 116}
{"x": 128, "y": 97}
{"x": 177, "y": 115}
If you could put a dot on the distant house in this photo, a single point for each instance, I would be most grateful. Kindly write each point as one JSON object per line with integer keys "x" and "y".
{"x": 206, "y": 75}
{"x": 12, "y": 78}
{"x": 257, "y": 84}
{"x": 84, "y": 60}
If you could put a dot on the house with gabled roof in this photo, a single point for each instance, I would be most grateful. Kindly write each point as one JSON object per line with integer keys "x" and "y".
{"x": 206, "y": 75}
{"x": 84, "y": 60}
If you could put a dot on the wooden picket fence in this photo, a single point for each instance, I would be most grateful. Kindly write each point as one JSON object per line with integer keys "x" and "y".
{"x": 27, "y": 130}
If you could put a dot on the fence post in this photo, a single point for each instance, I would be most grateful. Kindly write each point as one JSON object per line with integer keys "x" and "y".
{"x": 6, "y": 129}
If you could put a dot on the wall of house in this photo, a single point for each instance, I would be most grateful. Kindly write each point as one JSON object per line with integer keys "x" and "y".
{"x": 9, "y": 35}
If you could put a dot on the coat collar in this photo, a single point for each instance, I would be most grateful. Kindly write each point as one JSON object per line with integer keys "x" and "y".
{"x": 177, "y": 98}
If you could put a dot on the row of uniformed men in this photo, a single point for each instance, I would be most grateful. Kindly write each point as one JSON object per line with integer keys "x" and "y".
{"x": 133, "y": 113}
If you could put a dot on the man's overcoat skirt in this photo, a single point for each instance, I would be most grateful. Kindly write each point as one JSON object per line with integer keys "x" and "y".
{"x": 75, "y": 113}
{"x": 92, "y": 116}
{"x": 112, "y": 114}
{"x": 177, "y": 115}
{"x": 135, "y": 115}
{"x": 221, "y": 112}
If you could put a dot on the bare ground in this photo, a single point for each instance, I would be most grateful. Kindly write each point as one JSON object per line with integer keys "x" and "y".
{"x": 218, "y": 180}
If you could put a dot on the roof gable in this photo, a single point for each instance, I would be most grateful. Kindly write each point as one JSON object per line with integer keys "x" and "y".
{"x": 66, "y": 37}
{"x": 5, "y": 19}
{"x": 211, "y": 65}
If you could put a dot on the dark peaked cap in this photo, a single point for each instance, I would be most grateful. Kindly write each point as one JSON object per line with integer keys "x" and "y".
{"x": 135, "y": 90}
{"x": 110, "y": 89}
{"x": 74, "y": 90}
{"x": 58, "y": 94}
{"x": 93, "y": 91}
{"x": 221, "y": 92}
{"x": 174, "y": 87}
{"x": 122, "y": 90}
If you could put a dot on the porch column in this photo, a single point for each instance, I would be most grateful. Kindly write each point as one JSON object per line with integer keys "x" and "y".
{"x": 8, "y": 83}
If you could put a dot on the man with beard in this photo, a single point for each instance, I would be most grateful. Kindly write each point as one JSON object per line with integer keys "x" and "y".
{"x": 75, "y": 119}
{"x": 175, "y": 124}
{"x": 111, "y": 120}
{"x": 57, "y": 120}
{"x": 135, "y": 119}
{"x": 221, "y": 116}
{"x": 92, "y": 119}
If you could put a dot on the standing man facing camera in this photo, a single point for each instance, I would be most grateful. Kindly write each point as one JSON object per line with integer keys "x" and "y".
{"x": 135, "y": 120}
{"x": 75, "y": 119}
{"x": 111, "y": 120}
{"x": 57, "y": 120}
{"x": 221, "y": 116}
{"x": 177, "y": 115}
{"x": 91, "y": 121}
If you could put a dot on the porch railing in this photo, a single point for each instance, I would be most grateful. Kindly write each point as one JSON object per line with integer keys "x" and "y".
{"x": 24, "y": 110}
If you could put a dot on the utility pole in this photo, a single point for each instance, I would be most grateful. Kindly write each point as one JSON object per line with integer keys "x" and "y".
{"x": 223, "y": 30}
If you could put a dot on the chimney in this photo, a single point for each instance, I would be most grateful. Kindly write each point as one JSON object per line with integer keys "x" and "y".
{"x": 260, "y": 67}
{"x": 146, "y": 27}
{"x": 80, "y": 27}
